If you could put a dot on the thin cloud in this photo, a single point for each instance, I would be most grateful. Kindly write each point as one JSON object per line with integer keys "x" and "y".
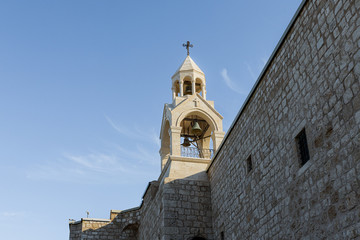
{"x": 252, "y": 74}
{"x": 136, "y": 133}
{"x": 117, "y": 164}
{"x": 264, "y": 60}
{"x": 139, "y": 155}
{"x": 230, "y": 83}
{"x": 89, "y": 169}
{"x": 98, "y": 162}
{"x": 122, "y": 130}
{"x": 155, "y": 138}
{"x": 12, "y": 214}
{"x": 255, "y": 71}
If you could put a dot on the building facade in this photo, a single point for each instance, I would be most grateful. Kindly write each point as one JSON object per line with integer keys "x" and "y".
{"x": 289, "y": 166}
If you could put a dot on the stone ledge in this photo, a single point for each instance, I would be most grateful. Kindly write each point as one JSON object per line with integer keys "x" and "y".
{"x": 96, "y": 219}
{"x": 190, "y": 159}
{"x": 125, "y": 211}
{"x": 73, "y": 222}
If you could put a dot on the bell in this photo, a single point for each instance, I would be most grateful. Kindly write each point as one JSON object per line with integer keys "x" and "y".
{"x": 188, "y": 90}
{"x": 196, "y": 129}
{"x": 186, "y": 142}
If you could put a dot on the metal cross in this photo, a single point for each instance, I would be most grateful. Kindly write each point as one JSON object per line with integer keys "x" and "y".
{"x": 187, "y": 45}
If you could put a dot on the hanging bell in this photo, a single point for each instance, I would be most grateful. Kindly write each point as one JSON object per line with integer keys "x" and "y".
{"x": 188, "y": 90}
{"x": 186, "y": 142}
{"x": 196, "y": 128}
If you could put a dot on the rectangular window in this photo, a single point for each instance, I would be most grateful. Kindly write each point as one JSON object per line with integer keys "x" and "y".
{"x": 222, "y": 236}
{"x": 249, "y": 164}
{"x": 302, "y": 146}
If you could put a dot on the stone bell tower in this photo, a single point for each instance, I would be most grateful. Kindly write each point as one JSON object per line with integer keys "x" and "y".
{"x": 191, "y": 129}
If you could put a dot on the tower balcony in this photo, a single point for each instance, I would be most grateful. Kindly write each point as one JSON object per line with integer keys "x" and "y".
{"x": 196, "y": 153}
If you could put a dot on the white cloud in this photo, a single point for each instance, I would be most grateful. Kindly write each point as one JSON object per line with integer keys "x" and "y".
{"x": 139, "y": 155}
{"x": 230, "y": 83}
{"x": 93, "y": 168}
{"x": 264, "y": 60}
{"x": 256, "y": 70}
{"x": 136, "y": 133}
{"x": 12, "y": 214}
{"x": 98, "y": 162}
{"x": 252, "y": 74}
{"x": 116, "y": 163}
{"x": 122, "y": 130}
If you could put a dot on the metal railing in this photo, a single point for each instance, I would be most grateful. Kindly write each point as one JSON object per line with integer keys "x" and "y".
{"x": 196, "y": 153}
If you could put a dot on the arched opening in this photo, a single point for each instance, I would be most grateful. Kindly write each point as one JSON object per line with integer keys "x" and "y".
{"x": 165, "y": 144}
{"x": 199, "y": 86}
{"x": 187, "y": 86}
{"x": 196, "y": 137}
{"x": 176, "y": 88}
{"x": 130, "y": 231}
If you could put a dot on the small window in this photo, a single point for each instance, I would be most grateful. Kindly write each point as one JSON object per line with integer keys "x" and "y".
{"x": 249, "y": 164}
{"x": 222, "y": 236}
{"x": 302, "y": 147}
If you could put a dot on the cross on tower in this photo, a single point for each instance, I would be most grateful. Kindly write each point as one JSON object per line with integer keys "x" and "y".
{"x": 196, "y": 101}
{"x": 187, "y": 45}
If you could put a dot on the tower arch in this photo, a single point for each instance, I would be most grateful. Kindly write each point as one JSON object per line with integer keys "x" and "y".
{"x": 198, "y": 112}
{"x": 165, "y": 143}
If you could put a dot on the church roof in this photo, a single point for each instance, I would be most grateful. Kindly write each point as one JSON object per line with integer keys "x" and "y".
{"x": 188, "y": 64}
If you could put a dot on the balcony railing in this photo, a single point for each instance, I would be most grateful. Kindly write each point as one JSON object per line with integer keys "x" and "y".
{"x": 196, "y": 153}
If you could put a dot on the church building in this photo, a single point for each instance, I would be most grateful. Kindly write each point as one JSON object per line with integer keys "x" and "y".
{"x": 289, "y": 165}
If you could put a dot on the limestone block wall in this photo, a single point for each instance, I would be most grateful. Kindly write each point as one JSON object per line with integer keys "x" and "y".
{"x": 187, "y": 209}
{"x": 123, "y": 225}
{"x": 311, "y": 83}
{"x": 75, "y": 230}
{"x": 152, "y": 213}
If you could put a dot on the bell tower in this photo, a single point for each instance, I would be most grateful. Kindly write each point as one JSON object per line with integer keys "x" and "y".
{"x": 191, "y": 129}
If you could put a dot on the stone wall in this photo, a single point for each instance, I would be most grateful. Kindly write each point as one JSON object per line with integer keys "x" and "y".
{"x": 123, "y": 225}
{"x": 152, "y": 213}
{"x": 75, "y": 230}
{"x": 176, "y": 209}
{"x": 187, "y": 209}
{"x": 311, "y": 83}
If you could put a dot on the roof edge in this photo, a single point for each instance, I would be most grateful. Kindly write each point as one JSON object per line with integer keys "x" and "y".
{"x": 271, "y": 58}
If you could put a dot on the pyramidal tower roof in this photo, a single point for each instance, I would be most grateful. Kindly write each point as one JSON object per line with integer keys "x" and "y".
{"x": 187, "y": 65}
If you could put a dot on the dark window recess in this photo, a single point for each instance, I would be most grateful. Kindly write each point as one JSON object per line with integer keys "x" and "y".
{"x": 222, "y": 236}
{"x": 302, "y": 147}
{"x": 249, "y": 164}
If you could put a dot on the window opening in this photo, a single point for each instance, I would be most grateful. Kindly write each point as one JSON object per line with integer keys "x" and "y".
{"x": 198, "y": 238}
{"x": 302, "y": 146}
{"x": 249, "y": 164}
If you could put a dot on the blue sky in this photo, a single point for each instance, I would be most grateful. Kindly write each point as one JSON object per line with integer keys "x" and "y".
{"x": 82, "y": 88}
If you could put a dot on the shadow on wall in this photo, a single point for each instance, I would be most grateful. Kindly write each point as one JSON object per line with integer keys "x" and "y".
{"x": 123, "y": 225}
{"x": 191, "y": 196}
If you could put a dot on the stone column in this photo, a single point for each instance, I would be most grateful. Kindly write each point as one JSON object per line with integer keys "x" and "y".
{"x": 173, "y": 93}
{"x": 181, "y": 85}
{"x": 217, "y": 139}
{"x": 193, "y": 86}
{"x": 175, "y": 140}
{"x": 203, "y": 89}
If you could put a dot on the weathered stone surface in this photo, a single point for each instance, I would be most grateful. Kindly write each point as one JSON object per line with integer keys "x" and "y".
{"x": 280, "y": 199}
{"x": 312, "y": 82}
